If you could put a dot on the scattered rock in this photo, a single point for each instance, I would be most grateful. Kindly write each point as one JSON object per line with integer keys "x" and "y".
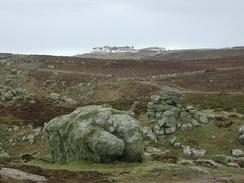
{"x": 240, "y": 161}
{"x": 208, "y": 163}
{"x": 156, "y": 99}
{"x": 241, "y": 139}
{"x": 184, "y": 127}
{"x": 223, "y": 159}
{"x": 37, "y": 131}
{"x": 198, "y": 152}
{"x": 20, "y": 175}
{"x": 148, "y": 134}
{"x": 8, "y": 96}
{"x": 187, "y": 151}
{"x": 203, "y": 119}
{"x": 241, "y": 130}
{"x": 173, "y": 140}
{"x": 97, "y": 133}
{"x": 29, "y": 138}
{"x": 16, "y": 128}
{"x": 68, "y": 100}
{"x": 189, "y": 108}
{"x": 237, "y": 152}
{"x": 232, "y": 164}
{"x": 152, "y": 153}
{"x": 3, "y": 154}
{"x": 54, "y": 96}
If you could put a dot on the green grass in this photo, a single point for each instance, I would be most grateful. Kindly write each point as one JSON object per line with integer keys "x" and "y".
{"x": 224, "y": 102}
{"x": 153, "y": 171}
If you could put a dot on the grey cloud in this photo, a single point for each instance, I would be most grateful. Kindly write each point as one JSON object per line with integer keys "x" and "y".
{"x": 71, "y": 26}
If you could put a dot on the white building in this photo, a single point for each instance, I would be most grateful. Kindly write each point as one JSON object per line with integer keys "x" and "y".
{"x": 114, "y": 49}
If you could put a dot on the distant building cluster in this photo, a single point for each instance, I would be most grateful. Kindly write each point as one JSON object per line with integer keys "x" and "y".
{"x": 125, "y": 49}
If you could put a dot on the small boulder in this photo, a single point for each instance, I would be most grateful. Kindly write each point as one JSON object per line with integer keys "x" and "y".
{"x": 187, "y": 151}
{"x": 223, "y": 159}
{"x": 156, "y": 99}
{"x": 237, "y": 152}
{"x": 208, "y": 163}
{"x": 203, "y": 119}
{"x": 20, "y": 175}
{"x": 8, "y": 96}
{"x": 54, "y": 96}
{"x": 241, "y": 130}
{"x": 198, "y": 152}
{"x": 241, "y": 139}
{"x": 3, "y": 154}
{"x": 68, "y": 100}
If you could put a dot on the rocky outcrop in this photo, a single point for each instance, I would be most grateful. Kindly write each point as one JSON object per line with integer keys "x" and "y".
{"x": 171, "y": 116}
{"x": 9, "y": 93}
{"x": 97, "y": 133}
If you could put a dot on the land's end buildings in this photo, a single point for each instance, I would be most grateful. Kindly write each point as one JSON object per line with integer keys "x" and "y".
{"x": 125, "y": 49}
{"x": 114, "y": 49}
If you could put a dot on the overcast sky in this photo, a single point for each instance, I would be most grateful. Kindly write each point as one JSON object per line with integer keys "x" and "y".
{"x": 66, "y": 27}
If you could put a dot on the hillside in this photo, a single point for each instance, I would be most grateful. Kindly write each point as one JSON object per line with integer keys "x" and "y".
{"x": 35, "y": 89}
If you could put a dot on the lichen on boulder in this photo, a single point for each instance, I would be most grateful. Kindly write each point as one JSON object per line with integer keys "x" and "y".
{"x": 96, "y": 133}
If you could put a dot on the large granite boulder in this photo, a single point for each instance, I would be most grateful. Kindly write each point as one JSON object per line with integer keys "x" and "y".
{"x": 97, "y": 133}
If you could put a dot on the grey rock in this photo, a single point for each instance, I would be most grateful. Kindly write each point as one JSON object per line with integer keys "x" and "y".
{"x": 54, "y": 96}
{"x": 159, "y": 114}
{"x": 8, "y": 96}
{"x": 232, "y": 164}
{"x": 177, "y": 145}
{"x": 173, "y": 140}
{"x": 189, "y": 108}
{"x": 169, "y": 131}
{"x": 198, "y": 152}
{"x": 240, "y": 161}
{"x": 223, "y": 159}
{"x": 153, "y": 153}
{"x": 241, "y": 130}
{"x": 194, "y": 123}
{"x": 208, "y": 163}
{"x": 29, "y": 138}
{"x": 20, "y": 175}
{"x": 189, "y": 126}
{"x": 149, "y": 134}
{"x": 241, "y": 139}
{"x": 3, "y": 154}
{"x": 184, "y": 127}
{"x": 96, "y": 133}
{"x": 203, "y": 119}
{"x": 187, "y": 151}
{"x": 156, "y": 99}
{"x": 16, "y": 128}
{"x": 68, "y": 100}
{"x": 237, "y": 152}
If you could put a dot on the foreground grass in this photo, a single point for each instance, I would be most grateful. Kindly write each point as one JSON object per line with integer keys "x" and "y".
{"x": 152, "y": 171}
